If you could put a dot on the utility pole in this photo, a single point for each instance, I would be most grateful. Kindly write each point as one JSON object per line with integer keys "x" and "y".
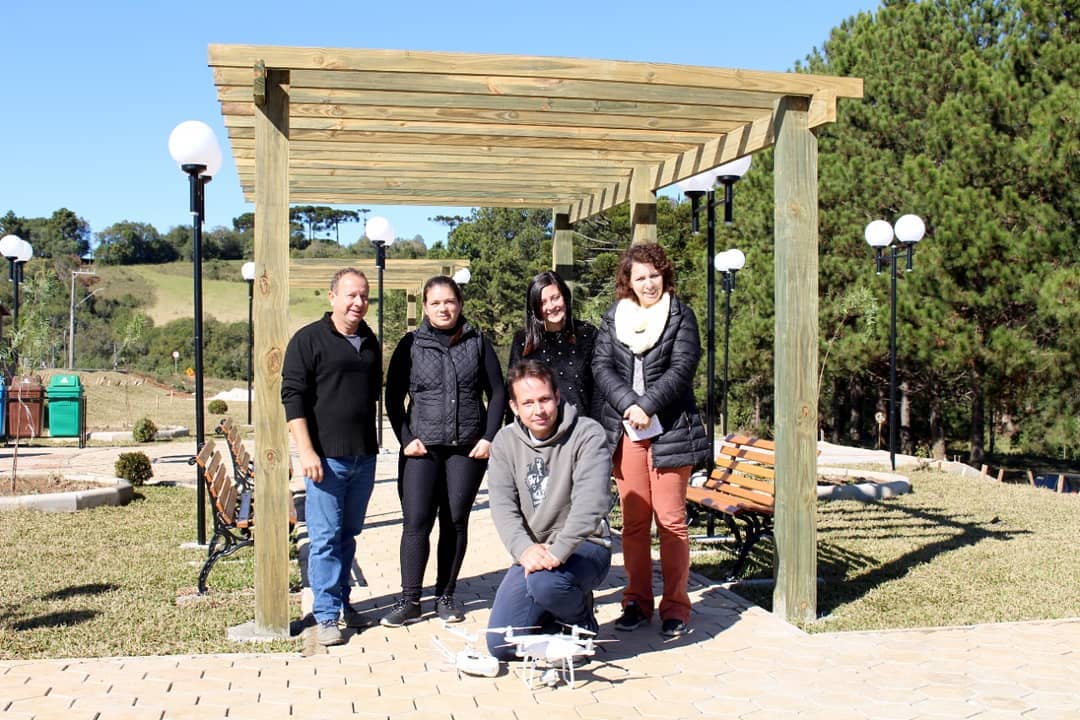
{"x": 71, "y": 315}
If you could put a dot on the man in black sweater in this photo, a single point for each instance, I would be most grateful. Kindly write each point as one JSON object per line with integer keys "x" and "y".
{"x": 330, "y": 382}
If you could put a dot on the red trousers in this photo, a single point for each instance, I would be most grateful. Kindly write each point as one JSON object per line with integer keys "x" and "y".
{"x": 646, "y": 492}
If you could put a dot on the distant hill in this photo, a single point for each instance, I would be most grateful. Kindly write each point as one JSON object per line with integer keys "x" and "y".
{"x": 167, "y": 289}
{"x": 168, "y": 292}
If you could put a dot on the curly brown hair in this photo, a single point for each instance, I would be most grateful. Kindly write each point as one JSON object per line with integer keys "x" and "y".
{"x": 647, "y": 254}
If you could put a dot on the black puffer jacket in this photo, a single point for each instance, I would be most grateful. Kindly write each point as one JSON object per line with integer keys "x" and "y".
{"x": 669, "y": 368}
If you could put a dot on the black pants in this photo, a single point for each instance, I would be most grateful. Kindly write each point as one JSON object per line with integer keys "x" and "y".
{"x": 442, "y": 483}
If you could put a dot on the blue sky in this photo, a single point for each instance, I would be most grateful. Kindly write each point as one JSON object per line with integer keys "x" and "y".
{"x": 92, "y": 89}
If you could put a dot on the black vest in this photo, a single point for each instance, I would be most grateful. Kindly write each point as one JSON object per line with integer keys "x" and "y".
{"x": 445, "y": 389}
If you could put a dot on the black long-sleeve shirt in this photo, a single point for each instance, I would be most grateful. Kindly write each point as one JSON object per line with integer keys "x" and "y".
{"x": 334, "y": 386}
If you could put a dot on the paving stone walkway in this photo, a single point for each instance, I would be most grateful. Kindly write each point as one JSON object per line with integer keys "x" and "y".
{"x": 739, "y": 662}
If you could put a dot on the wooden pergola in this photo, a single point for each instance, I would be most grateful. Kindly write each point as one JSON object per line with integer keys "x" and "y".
{"x": 398, "y": 127}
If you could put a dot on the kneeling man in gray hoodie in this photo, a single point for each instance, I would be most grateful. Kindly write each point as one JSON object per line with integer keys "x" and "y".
{"x": 549, "y": 482}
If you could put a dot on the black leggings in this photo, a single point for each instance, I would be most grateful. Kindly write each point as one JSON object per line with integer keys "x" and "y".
{"x": 443, "y": 482}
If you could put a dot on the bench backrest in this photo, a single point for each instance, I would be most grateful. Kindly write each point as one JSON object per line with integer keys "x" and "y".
{"x": 244, "y": 465}
{"x": 746, "y": 469}
{"x": 232, "y": 500}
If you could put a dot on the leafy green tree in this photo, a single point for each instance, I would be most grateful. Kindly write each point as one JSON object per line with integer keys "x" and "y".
{"x": 64, "y": 233}
{"x": 12, "y": 224}
{"x": 35, "y": 343}
{"x": 179, "y": 239}
{"x": 969, "y": 111}
{"x": 244, "y": 223}
{"x": 331, "y": 219}
{"x": 507, "y": 247}
{"x": 221, "y": 243}
{"x": 408, "y": 249}
{"x": 128, "y": 243}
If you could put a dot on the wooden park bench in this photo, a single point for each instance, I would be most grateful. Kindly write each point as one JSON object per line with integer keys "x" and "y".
{"x": 231, "y": 486}
{"x": 739, "y": 490}
{"x": 232, "y": 498}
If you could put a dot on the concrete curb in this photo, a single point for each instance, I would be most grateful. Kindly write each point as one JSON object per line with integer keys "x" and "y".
{"x": 166, "y": 433}
{"x": 117, "y": 491}
{"x": 882, "y": 485}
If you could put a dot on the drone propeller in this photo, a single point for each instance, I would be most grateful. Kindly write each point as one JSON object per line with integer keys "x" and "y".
{"x": 464, "y": 635}
{"x": 511, "y": 628}
{"x": 577, "y": 629}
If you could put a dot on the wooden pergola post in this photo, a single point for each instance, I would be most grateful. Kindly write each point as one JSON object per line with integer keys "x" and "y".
{"x": 562, "y": 244}
{"x": 642, "y": 208}
{"x": 270, "y": 312}
{"x": 796, "y": 366}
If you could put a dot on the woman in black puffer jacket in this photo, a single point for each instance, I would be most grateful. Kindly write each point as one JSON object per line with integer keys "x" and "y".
{"x": 646, "y": 353}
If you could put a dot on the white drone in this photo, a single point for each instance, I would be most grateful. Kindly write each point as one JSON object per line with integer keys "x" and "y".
{"x": 469, "y": 660}
{"x": 553, "y": 653}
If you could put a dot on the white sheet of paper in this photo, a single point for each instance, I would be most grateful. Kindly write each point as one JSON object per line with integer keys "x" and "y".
{"x": 651, "y": 430}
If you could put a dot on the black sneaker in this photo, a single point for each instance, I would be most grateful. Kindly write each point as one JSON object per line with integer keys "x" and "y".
{"x": 449, "y": 609}
{"x": 404, "y": 612}
{"x": 632, "y": 618}
{"x": 673, "y": 628}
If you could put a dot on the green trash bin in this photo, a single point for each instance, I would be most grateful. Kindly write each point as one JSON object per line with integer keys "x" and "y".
{"x": 66, "y": 403}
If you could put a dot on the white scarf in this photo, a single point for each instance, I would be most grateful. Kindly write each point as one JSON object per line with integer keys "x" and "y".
{"x": 639, "y": 328}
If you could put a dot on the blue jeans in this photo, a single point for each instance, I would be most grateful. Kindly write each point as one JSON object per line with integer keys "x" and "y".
{"x": 560, "y": 594}
{"x": 334, "y": 510}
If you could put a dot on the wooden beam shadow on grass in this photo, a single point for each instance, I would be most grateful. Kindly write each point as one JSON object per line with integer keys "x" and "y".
{"x": 835, "y": 561}
{"x": 73, "y": 590}
{"x": 63, "y": 618}
{"x": 840, "y": 591}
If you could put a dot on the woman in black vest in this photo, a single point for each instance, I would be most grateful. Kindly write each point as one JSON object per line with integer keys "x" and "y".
{"x": 444, "y": 368}
{"x": 554, "y": 337}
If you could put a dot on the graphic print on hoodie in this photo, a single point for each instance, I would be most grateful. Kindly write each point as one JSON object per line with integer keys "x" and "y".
{"x": 536, "y": 479}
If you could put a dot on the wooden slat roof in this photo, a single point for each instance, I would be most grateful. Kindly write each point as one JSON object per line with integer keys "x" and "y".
{"x": 395, "y": 127}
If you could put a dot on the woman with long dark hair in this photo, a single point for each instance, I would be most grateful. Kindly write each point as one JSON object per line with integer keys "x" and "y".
{"x": 554, "y": 337}
{"x": 445, "y": 368}
{"x": 646, "y": 354}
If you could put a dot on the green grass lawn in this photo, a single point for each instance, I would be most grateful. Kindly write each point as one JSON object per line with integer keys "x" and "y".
{"x": 105, "y": 582}
{"x": 955, "y": 551}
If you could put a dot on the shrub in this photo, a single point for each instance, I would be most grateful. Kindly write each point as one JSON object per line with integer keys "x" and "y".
{"x": 134, "y": 467}
{"x": 217, "y": 407}
{"x": 145, "y": 430}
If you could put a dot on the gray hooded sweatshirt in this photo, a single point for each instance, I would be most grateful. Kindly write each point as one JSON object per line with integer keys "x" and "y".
{"x": 555, "y": 491}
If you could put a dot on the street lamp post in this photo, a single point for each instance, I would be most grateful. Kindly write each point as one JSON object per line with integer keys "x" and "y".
{"x": 71, "y": 314}
{"x": 195, "y": 149}
{"x": 380, "y": 233}
{"x": 247, "y": 271}
{"x": 18, "y": 252}
{"x": 694, "y": 187}
{"x": 879, "y": 234}
{"x": 727, "y": 263}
